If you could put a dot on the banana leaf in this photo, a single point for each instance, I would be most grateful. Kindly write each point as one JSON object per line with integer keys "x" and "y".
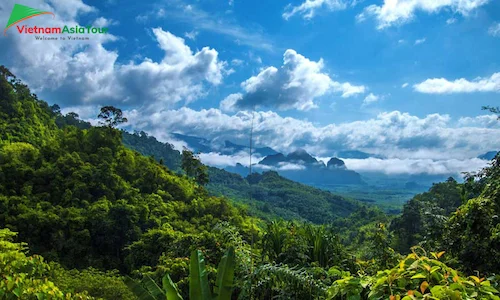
{"x": 225, "y": 276}
{"x": 199, "y": 288}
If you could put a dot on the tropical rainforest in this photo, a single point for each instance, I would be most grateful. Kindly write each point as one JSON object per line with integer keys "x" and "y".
{"x": 94, "y": 212}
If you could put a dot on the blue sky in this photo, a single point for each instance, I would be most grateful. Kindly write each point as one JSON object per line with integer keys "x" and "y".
{"x": 401, "y": 78}
{"x": 356, "y": 52}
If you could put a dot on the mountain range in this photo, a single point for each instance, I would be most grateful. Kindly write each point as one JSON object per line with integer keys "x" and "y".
{"x": 202, "y": 145}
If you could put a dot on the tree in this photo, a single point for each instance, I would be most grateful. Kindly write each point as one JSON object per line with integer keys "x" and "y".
{"x": 193, "y": 167}
{"x": 56, "y": 109}
{"x": 111, "y": 116}
{"x": 495, "y": 110}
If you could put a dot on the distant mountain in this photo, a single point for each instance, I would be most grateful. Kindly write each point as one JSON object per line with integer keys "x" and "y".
{"x": 196, "y": 144}
{"x": 273, "y": 160}
{"x": 304, "y": 168}
{"x": 203, "y": 145}
{"x": 232, "y": 148}
{"x": 354, "y": 154}
{"x": 301, "y": 157}
{"x": 335, "y": 163}
{"x": 488, "y": 155}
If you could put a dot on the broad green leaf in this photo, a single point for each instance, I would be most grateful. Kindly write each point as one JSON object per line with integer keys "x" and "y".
{"x": 199, "y": 288}
{"x": 438, "y": 291}
{"x": 138, "y": 289}
{"x": 171, "y": 289}
{"x": 153, "y": 288}
{"x": 225, "y": 276}
{"x": 489, "y": 289}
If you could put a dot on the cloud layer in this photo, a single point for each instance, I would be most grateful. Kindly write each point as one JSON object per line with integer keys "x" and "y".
{"x": 462, "y": 85}
{"x": 295, "y": 85}
{"x": 395, "y": 166}
{"x": 391, "y": 134}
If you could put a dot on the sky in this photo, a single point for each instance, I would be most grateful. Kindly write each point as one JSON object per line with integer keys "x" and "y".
{"x": 402, "y": 79}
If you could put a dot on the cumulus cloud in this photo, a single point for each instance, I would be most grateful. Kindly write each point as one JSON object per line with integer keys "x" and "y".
{"x": 487, "y": 121}
{"x": 86, "y": 72}
{"x": 397, "y": 166}
{"x": 494, "y": 29}
{"x": 309, "y": 8}
{"x": 396, "y": 12}
{"x": 229, "y": 103}
{"x": 404, "y": 85}
{"x": 295, "y": 85}
{"x": 462, "y": 85}
{"x": 371, "y": 98}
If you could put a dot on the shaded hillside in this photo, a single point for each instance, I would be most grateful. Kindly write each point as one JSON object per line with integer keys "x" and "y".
{"x": 150, "y": 146}
{"x": 275, "y": 196}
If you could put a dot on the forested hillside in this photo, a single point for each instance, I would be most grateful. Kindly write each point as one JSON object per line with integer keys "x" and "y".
{"x": 270, "y": 195}
{"x": 267, "y": 195}
{"x": 102, "y": 221}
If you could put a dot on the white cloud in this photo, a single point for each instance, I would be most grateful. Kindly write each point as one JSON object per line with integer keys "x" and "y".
{"x": 487, "y": 121}
{"x": 191, "y": 35}
{"x": 462, "y": 85}
{"x": 229, "y": 103}
{"x": 309, "y": 8}
{"x": 420, "y": 41}
{"x": 371, "y": 98}
{"x": 451, "y": 21}
{"x": 90, "y": 73}
{"x": 404, "y": 85}
{"x": 396, "y": 12}
{"x": 237, "y": 62}
{"x": 88, "y": 113}
{"x": 221, "y": 160}
{"x": 397, "y": 166}
{"x": 391, "y": 134}
{"x": 295, "y": 85}
{"x": 494, "y": 29}
{"x": 103, "y": 22}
